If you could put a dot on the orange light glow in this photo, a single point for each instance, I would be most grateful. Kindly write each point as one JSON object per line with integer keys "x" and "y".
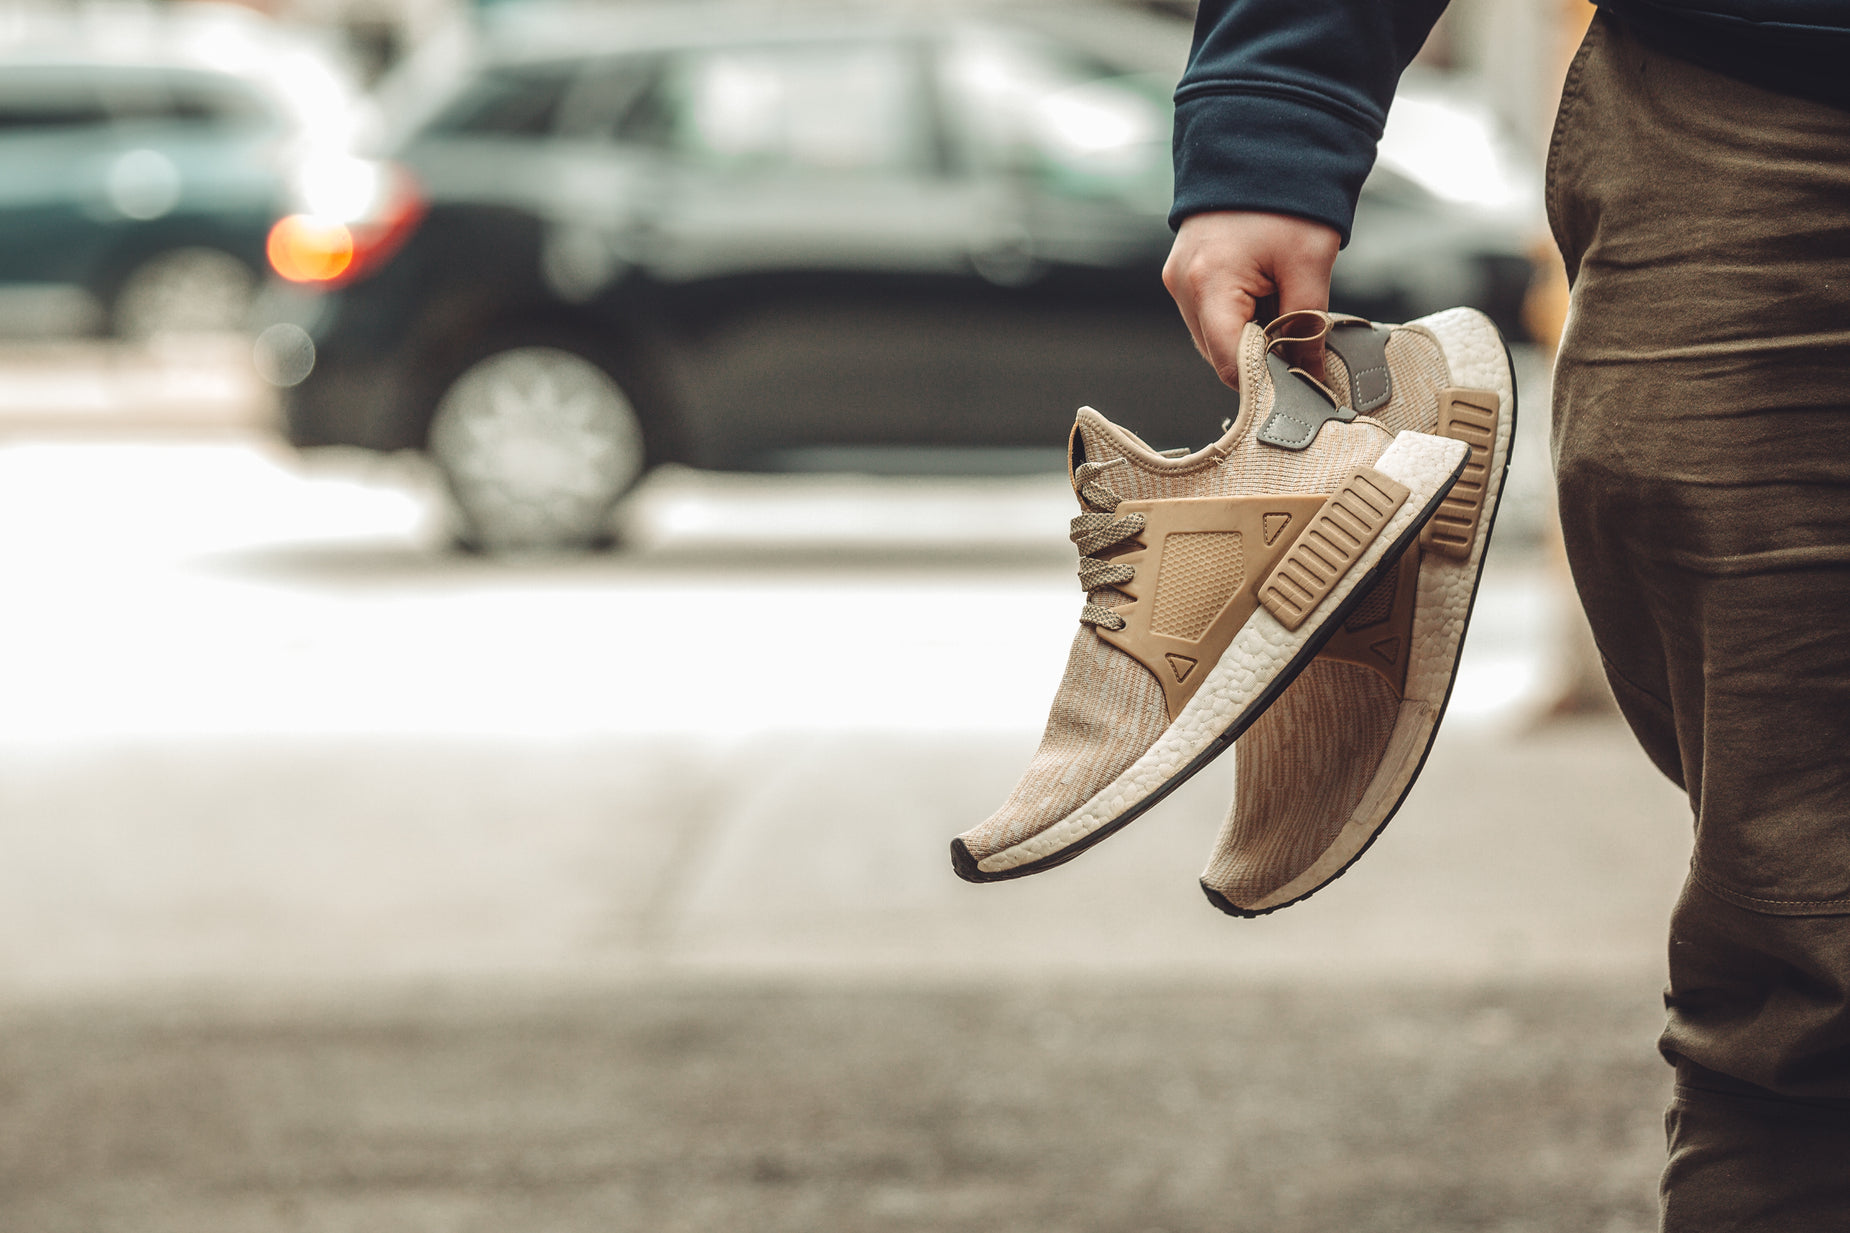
{"x": 307, "y": 250}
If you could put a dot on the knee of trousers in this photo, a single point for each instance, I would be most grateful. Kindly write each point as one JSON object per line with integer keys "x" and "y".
{"x": 1759, "y": 1003}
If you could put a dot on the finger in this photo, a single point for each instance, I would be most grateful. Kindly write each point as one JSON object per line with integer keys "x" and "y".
{"x": 1186, "y": 304}
{"x": 1223, "y": 322}
{"x": 1182, "y": 290}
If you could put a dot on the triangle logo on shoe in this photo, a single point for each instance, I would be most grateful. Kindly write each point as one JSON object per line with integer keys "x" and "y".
{"x": 1378, "y": 634}
{"x": 1198, "y": 566}
{"x": 1275, "y": 525}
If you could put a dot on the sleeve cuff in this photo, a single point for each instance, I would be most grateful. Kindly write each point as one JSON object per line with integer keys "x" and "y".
{"x": 1237, "y": 150}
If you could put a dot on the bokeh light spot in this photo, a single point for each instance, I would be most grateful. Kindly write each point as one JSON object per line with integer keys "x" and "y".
{"x": 307, "y": 250}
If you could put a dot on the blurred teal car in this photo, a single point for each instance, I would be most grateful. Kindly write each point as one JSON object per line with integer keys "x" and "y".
{"x": 138, "y": 181}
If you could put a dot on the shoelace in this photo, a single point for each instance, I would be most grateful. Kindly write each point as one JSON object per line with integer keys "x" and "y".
{"x": 1095, "y": 532}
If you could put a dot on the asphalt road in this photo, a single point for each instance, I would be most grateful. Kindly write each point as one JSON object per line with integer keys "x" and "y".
{"x": 1064, "y": 1109}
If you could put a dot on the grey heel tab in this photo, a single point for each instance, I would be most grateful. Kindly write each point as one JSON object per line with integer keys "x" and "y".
{"x": 1300, "y": 408}
{"x": 1362, "y": 346}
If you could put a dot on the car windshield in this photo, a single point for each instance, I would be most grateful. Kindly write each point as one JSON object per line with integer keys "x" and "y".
{"x": 513, "y": 101}
{"x": 834, "y": 107}
{"x": 1081, "y": 125}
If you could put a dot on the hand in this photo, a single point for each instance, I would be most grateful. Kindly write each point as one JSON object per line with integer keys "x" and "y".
{"x": 1225, "y": 262}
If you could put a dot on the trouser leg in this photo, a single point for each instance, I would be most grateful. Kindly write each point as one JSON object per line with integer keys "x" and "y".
{"x": 1764, "y": 997}
{"x": 1702, "y": 439}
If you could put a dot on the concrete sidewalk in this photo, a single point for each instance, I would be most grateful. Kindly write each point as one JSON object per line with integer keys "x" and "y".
{"x": 264, "y": 864}
{"x": 259, "y": 728}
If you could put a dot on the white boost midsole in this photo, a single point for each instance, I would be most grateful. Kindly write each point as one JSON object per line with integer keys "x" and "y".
{"x": 1261, "y": 650}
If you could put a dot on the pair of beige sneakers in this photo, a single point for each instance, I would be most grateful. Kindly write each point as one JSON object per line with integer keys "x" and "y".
{"x": 1301, "y": 585}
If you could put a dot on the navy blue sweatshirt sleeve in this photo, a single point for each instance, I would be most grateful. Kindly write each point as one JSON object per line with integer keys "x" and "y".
{"x": 1283, "y": 102}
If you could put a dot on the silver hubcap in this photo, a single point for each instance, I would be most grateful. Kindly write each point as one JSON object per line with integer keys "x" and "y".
{"x": 537, "y": 444}
{"x": 186, "y": 291}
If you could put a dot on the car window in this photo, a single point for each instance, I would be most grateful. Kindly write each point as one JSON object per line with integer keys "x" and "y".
{"x": 508, "y": 102}
{"x": 182, "y": 99}
{"x": 1388, "y": 188}
{"x": 1079, "y": 126}
{"x": 608, "y": 100}
{"x": 96, "y": 96}
{"x": 34, "y": 101}
{"x": 849, "y": 107}
{"x": 217, "y": 103}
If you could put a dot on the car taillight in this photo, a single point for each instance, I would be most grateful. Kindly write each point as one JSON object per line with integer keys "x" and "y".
{"x": 361, "y": 212}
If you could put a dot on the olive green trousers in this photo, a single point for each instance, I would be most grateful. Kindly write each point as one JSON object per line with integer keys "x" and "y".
{"x": 1702, "y": 451}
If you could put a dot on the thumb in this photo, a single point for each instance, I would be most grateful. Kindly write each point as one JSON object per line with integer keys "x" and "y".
{"x": 1301, "y": 267}
{"x": 1303, "y": 283}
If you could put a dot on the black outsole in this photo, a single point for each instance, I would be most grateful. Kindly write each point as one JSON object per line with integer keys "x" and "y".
{"x": 965, "y": 865}
{"x": 1228, "y": 906}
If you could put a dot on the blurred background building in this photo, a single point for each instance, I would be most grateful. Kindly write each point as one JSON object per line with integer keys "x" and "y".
{"x": 526, "y": 528}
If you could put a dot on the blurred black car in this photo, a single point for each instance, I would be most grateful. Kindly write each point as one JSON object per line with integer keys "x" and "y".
{"x": 747, "y": 240}
{"x": 143, "y": 159}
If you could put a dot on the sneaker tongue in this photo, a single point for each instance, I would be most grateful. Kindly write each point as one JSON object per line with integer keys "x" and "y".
{"x": 1089, "y": 433}
{"x": 1100, "y": 440}
{"x": 1097, "y": 439}
{"x": 1081, "y": 446}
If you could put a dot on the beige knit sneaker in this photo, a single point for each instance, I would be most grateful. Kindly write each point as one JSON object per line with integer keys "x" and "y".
{"x": 1324, "y": 770}
{"x": 1212, "y": 578}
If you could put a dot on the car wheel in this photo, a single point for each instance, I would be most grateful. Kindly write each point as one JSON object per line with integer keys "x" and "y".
{"x": 537, "y": 444}
{"x": 184, "y": 291}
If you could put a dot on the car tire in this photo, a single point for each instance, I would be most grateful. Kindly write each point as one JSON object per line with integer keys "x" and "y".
{"x": 193, "y": 290}
{"x": 537, "y": 444}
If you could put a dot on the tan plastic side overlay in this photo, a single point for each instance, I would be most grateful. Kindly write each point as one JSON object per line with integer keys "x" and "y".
{"x": 1379, "y": 633}
{"x": 1335, "y": 540}
{"x": 1236, "y": 528}
{"x": 1469, "y": 416}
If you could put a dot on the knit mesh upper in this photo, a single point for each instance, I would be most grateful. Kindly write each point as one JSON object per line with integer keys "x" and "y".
{"x": 1300, "y": 769}
{"x": 1109, "y": 709}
